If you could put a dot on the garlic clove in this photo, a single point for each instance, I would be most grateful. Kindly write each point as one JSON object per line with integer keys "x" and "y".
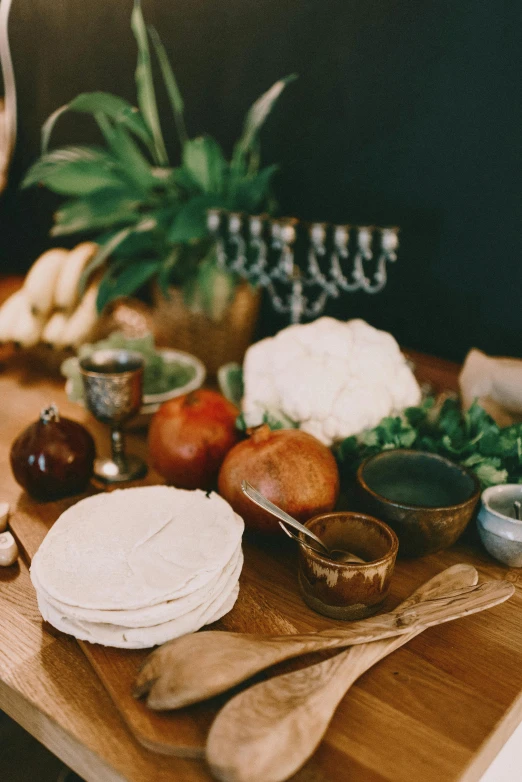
{"x": 4, "y": 515}
{"x": 8, "y": 550}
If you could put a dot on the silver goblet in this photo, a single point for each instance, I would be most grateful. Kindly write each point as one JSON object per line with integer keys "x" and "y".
{"x": 113, "y": 388}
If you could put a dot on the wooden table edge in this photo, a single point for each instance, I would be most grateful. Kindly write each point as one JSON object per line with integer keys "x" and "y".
{"x": 55, "y": 738}
{"x": 491, "y": 746}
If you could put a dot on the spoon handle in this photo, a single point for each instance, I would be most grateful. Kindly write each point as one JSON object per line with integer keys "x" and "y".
{"x": 301, "y": 542}
{"x": 270, "y": 730}
{"x": 347, "y": 556}
{"x": 264, "y": 503}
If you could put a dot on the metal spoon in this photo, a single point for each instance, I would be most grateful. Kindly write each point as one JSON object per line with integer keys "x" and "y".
{"x": 338, "y": 555}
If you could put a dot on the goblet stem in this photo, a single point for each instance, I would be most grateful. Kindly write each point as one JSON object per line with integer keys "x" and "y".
{"x": 118, "y": 447}
{"x": 119, "y": 467}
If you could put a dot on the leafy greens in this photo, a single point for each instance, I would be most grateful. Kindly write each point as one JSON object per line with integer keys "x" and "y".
{"x": 471, "y": 439}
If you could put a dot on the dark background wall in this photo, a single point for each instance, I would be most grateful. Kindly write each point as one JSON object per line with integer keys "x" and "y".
{"x": 406, "y": 112}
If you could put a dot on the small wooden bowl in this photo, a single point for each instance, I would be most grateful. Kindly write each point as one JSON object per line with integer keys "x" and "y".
{"x": 428, "y": 500}
{"x": 348, "y": 590}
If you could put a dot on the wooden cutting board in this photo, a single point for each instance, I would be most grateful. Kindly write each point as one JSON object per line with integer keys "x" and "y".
{"x": 456, "y": 679}
{"x": 182, "y": 732}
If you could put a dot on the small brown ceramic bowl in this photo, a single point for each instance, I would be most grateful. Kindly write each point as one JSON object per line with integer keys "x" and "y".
{"x": 348, "y": 590}
{"x": 428, "y": 500}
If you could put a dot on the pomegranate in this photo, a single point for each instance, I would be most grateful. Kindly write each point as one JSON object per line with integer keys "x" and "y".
{"x": 290, "y": 467}
{"x": 53, "y": 457}
{"x": 190, "y": 436}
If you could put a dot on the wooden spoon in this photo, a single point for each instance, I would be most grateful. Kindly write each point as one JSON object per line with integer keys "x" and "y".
{"x": 266, "y": 733}
{"x": 195, "y": 667}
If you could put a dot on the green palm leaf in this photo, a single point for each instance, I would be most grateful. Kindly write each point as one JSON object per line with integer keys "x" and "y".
{"x": 171, "y": 85}
{"x": 123, "y": 280}
{"x": 75, "y": 171}
{"x": 203, "y": 159}
{"x": 256, "y": 118}
{"x": 128, "y": 153}
{"x": 190, "y": 222}
{"x": 252, "y": 193}
{"x": 105, "y": 251}
{"x": 104, "y": 209}
{"x": 145, "y": 84}
{"x": 117, "y": 109}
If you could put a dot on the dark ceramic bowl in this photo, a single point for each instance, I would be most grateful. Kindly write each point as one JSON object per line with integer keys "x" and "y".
{"x": 348, "y": 590}
{"x": 428, "y": 500}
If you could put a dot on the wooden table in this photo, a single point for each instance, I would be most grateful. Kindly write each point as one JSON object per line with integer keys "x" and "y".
{"x": 48, "y": 687}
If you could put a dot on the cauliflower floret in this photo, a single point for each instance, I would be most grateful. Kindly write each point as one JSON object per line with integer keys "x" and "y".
{"x": 333, "y": 378}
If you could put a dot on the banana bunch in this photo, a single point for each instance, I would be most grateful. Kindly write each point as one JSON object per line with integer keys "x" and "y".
{"x": 48, "y": 308}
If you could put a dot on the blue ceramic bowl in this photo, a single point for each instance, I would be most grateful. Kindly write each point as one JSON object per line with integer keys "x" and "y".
{"x": 498, "y": 528}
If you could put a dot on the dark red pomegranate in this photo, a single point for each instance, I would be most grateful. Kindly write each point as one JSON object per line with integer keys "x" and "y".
{"x": 53, "y": 457}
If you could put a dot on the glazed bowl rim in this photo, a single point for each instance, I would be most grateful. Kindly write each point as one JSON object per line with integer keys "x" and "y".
{"x": 473, "y": 497}
{"x": 498, "y": 490}
{"x": 353, "y": 566}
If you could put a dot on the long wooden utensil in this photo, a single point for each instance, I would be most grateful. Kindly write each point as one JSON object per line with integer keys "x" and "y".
{"x": 199, "y": 666}
{"x": 266, "y": 733}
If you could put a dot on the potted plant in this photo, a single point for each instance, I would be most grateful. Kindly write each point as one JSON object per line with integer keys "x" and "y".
{"x": 147, "y": 215}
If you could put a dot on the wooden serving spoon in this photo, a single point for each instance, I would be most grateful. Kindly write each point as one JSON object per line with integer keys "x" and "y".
{"x": 195, "y": 667}
{"x": 266, "y": 733}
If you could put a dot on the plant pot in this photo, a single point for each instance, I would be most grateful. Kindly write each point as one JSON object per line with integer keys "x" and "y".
{"x": 214, "y": 342}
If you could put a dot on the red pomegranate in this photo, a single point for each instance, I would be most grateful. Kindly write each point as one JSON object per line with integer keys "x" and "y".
{"x": 290, "y": 467}
{"x": 189, "y": 437}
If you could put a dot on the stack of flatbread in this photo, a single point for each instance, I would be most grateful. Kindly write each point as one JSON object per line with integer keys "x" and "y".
{"x": 137, "y": 567}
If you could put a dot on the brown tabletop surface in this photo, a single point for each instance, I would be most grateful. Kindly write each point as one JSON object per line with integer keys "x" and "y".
{"x": 48, "y": 687}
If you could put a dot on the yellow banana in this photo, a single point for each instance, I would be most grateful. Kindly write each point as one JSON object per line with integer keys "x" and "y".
{"x": 41, "y": 279}
{"x": 8, "y": 314}
{"x": 66, "y": 293}
{"x": 27, "y": 326}
{"x": 83, "y": 318}
{"x": 54, "y": 329}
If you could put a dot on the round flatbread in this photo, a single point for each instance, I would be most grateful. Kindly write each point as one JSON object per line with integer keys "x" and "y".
{"x": 135, "y": 548}
{"x": 150, "y": 615}
{"x": 142, "y": 638}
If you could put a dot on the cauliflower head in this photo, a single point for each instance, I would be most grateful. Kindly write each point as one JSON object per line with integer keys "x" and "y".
{"x": 334, "y": 379}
